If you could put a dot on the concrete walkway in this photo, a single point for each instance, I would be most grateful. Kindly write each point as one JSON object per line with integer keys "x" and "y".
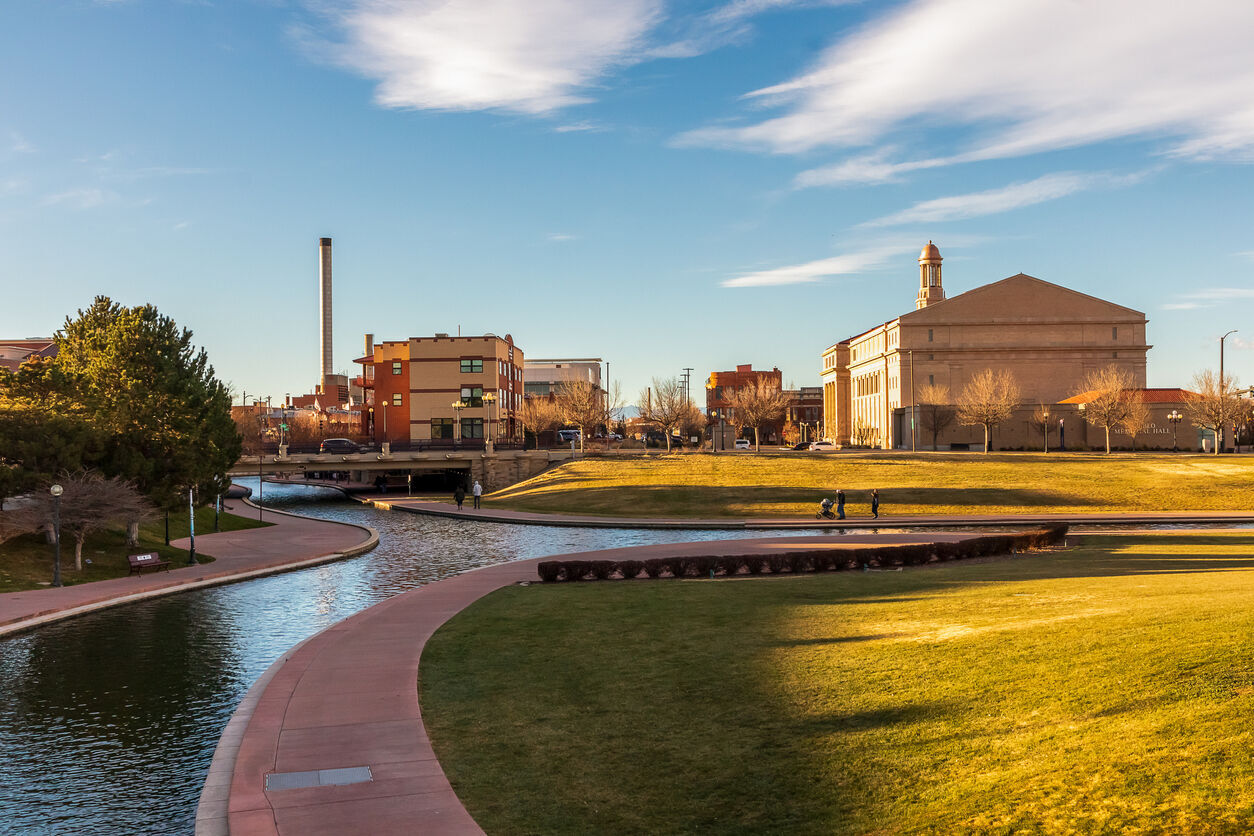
{"x": 886, "y": 520}
{"x": 331, "y": 740}
{"x": 291, "y": 542}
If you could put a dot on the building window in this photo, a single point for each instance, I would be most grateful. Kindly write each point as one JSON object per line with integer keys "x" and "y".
{"x": 472, "y": 396}
{"x": 396, "y": 399}
{"x": 472, "y": 428}
{"x": 472, "y": 366}
{"x": 396, "y": 367}
{"x": 931, "y": 380}
{"x": 1114, "y": 355}
{"x": 929, "y": 335}
{"x": 441, "y": 427}
{"x": 931, "y": 357}
{"x": 1114, "y": 332}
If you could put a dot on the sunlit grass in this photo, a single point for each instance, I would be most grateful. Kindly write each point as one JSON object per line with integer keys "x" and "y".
{"x": 778, "y": 485}
{"x": 1109, "y": 688}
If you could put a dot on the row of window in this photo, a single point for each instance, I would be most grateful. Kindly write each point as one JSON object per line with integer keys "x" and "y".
{"x": 443, "y": 428}
{"x": 470, "y": 367}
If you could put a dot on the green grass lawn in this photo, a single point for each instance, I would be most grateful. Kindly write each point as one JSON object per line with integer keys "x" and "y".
{"x": 26, "y": 562}
{"x": 1109, "y": 688}
{"x": 781, "y": 485}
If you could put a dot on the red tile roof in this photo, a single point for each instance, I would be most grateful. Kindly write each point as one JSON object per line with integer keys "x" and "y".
{"x": 1148, "y": 395}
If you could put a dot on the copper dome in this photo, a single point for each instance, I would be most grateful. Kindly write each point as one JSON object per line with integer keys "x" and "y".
{"x": 930, "y": 253}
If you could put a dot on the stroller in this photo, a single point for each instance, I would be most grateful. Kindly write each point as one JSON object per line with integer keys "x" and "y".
{"x": 825, "y": 510}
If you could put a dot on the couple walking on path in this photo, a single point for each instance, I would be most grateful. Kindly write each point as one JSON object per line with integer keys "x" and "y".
{"x": 459, "y": 494}
{"x": 840, "y": 505}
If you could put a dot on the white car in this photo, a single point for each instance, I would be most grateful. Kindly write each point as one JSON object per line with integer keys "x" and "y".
{"x": 743, "y": 444}
{"x": 823, "y": 446}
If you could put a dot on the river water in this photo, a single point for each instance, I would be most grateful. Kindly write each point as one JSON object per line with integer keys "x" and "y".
{"x": 108, "y": 722}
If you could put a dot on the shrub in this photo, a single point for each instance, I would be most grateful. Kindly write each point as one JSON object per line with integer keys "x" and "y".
{"x": 777, "y": 563}
{"x": 653, "y": 567}
{"x": 602, "y": 569}
{"x": 577, "y": 569}
{"x": 702, "y": 566}
{"x": 797, "y": 562}
{"x": 630, "y": 568}
{"x": 753, "y": 564}
{"x": 678, "y": 566}
{"x": 549, "y": 571}
{"x": 729, "y": 565}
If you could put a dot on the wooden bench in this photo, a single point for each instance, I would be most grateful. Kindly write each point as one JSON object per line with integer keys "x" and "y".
{"x": 151, "y": 560}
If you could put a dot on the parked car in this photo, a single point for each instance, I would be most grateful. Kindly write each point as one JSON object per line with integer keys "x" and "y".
{"x": 823, "y": 446}
{"x": 339, "y": 445}
{"x": 743, "y": 444}
{"x": 567, "y": 436}
{"x": 801, "y": 445}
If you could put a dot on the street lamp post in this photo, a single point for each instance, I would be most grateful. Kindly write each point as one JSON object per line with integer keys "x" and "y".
{"x": 191, "y": 526}
{"x": 1173, "y": 418}
{"x": 56, "y": 491}
{"x": 913, "y": 431}
{"x": 1223, "y": 390}
{"x": 1045, "y": 427}
{"x": 458, "y": 406}
{"x": 489, "y": 398}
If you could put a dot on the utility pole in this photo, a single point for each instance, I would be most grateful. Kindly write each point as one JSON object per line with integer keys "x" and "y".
{"x": 914, "y": 448}
{"x": 1223, "y": 391}
{"x": 688, "y": 384}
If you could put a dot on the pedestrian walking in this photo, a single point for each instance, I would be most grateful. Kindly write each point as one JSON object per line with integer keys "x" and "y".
{"x": 840, "y": 504}
{"x": 459, "y": 495}
{"x": 875, "y": 503}
{"x": 478, "y": 491}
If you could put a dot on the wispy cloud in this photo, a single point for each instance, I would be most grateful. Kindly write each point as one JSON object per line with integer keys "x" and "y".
{"x": 868, "y": 168}
{"x": 18, "y": 144}
{"x": 86, "y": 198}
{"x": 813, "y": 271}
{"x": 1209, "y": 297}
{"x": 561, "y": 236}
{"x": 992, "y": 201}
{"x": 1097, "y": 71}
{"x": 579, "y": 126}
{"x": 531, "y": 58}
{"x": 1183, "y": 306}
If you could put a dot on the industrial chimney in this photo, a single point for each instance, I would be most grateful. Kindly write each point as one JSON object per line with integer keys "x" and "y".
{"x": 324, "y": 285}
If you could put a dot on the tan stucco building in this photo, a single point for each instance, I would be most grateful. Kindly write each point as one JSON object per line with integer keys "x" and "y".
{"x": 412, "y": 384}
{"x": 1046, "y": 335}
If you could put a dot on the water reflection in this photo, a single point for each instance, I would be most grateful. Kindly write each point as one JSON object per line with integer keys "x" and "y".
{"x": 108, "y": 722}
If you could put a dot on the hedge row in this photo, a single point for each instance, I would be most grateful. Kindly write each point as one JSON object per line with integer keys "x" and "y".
{"x": 817, "y": 560}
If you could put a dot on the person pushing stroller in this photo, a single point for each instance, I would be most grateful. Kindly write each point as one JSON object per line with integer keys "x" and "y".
{"x": 825, "y": 510}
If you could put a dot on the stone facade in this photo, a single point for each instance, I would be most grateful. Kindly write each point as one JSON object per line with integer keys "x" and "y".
{"x": 1047, "y": 336}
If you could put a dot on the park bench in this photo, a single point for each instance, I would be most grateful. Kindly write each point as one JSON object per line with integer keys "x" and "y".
{"x": 151, "y": 560}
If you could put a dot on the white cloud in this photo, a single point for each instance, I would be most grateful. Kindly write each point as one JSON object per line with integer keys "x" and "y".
{"x": 561, "y": 236}
{"x": 1209, "y": 297}
{"x": 574, "y": 127}
{"x": 869, "y": 168}
{"x": 533, "y": 58}
{"x": 1246, "y": 254}
{"x": 992, "y": 201}
{"x": 1029, "y": 76}
{"x": 813, "y": 271}
{"x": 1183, "y": 306}
{"x": 18, "y": 144}
{"x": 80, "y": 198}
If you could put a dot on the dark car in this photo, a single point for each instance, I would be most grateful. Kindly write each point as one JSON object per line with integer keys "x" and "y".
{"x": 339, "y": 445}
{"x": 805, "y": 445}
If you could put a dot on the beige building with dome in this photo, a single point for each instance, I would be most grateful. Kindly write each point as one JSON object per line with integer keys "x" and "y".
{"x": 1044, "y": 334}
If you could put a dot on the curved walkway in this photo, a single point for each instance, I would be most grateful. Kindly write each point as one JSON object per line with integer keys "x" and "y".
{"x": 331, "y": 739}
{"x": 292, "y": 542}
{"x": 886, "y": 520}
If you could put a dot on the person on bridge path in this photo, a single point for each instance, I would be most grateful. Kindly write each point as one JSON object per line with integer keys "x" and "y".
{"x": 840, "y": 504}
{"x": 875, "y": 503}
{"x": 459, "y": 495}
{"x": 478, "y": 490}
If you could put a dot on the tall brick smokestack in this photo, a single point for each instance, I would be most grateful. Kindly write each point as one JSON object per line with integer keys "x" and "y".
{"x": 324, "y": 286}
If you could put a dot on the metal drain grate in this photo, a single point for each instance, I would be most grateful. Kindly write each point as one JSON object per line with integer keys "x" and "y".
{"x": 318, "y": 778}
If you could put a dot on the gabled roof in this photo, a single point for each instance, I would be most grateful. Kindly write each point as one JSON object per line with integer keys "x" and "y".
{"x": 1022, "y": 297}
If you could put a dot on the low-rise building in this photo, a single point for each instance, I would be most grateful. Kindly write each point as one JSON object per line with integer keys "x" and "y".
{"x": 719, "y": 386}
{"x": 543, "y": 377}
{"x": 13, "y": 353}
{"x": 412, "y": 385}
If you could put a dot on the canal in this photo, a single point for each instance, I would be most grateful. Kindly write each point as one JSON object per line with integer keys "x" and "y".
{"x": 108, "y": 722}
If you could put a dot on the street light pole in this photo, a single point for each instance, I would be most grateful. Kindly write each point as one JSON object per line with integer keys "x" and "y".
{"x": 1223, "y": 391}
{"x": 914, "y": 448}
{"x": 1173, "y": 418}
{"x": 1045, "y": 428}
{"x": 458, "y": 406}
{"x": 56, "y": 491}
{"x": 191, "y": 526}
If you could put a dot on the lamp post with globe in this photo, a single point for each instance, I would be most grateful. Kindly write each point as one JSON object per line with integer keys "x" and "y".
{"x": 489, "y": 398}
{"x": 56, "y": 491}
{"x": 458, "y": 406}
{"x": 1174, "y": 419}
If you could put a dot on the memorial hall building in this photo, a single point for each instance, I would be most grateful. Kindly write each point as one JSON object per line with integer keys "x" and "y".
{"x": 1047, "y": 336}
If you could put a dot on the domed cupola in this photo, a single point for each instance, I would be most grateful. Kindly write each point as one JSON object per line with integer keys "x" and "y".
{"x": 930, "y": 289}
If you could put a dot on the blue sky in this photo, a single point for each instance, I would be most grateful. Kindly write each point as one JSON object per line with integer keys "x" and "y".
{"x": 659, "y": 184}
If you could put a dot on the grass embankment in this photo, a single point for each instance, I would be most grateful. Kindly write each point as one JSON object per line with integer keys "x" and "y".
{"x": 1105, "y": 689}
{"x": 26, "y": 562}
{"x": 789, "y": 485}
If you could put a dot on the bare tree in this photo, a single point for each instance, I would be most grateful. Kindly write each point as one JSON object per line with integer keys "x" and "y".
{"x": 665, "y": 405}
{"x": 613, "y": 404}
{"x": 1135, "y": 416}
{"x": 89, "y": 503}
{"x": 755, "y": 405}
{"x": 988, "y": 399}
{"x": 580, "y": 403}
{"x": 1108, "y": 391}
{"x": 864, "y": 435}
{"x": 538, "y": 415}
{"x": 791, "y": 433}
{"x": 935, "y": 410}
{"x": 1212, "y": 405}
